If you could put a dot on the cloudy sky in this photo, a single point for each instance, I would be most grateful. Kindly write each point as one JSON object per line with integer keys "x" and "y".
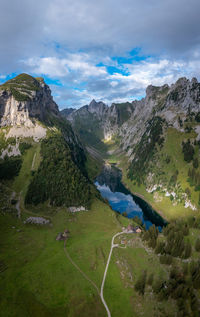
{"x": 108, "y": 50}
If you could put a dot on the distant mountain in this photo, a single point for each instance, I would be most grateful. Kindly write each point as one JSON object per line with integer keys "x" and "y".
{"x": 97, "y": 121}
{"x": 66, "y": 112}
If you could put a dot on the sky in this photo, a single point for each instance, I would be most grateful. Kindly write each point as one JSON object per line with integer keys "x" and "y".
{"x": 108, "y": 50}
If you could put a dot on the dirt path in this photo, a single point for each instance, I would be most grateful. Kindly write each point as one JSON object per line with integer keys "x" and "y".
{"x": 17, "y": 206}
{"x": 76, "y": 266}
{"x": 33, "y": 162}
{"x": 105, "y": 272}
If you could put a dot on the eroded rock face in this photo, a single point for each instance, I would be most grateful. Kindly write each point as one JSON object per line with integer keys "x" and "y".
{"x": 37, "y": 106}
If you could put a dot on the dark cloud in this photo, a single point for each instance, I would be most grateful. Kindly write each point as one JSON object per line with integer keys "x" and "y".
{"x": 36, "y": 35}
{"x": 101, "y": 85}
{"x": 30, "y": 27}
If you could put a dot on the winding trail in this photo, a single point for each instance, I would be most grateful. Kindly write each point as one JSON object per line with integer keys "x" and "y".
{"x": 105, "y": 272}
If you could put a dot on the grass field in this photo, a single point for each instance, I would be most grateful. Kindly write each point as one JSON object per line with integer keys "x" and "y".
{"x": 37, "y": 279}
{"x": 21, "y": 182}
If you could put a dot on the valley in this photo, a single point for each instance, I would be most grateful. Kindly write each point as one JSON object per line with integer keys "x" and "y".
{"x": 43, "y": 174}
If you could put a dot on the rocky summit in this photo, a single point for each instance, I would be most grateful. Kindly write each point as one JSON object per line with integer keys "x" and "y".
{"x": 23, "y": 99}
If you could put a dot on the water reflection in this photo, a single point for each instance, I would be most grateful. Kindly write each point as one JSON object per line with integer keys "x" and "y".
{"x": 121, "y": 200}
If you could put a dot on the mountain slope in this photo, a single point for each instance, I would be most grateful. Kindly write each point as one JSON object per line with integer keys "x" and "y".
{"x": 29, "y": 116}
{"x": 146, "y": 131}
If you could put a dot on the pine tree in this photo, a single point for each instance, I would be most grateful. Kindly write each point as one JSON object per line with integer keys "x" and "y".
{"x": 195, "y": 274}
{"x": 150, "y": 279}
{"x": 195, "y": 163}
{"x": 140, "y": 284}
{"x": 197, "y": 245}
{"x": 160, "y": 248}
{"x": 193, "y": 174}
{"x": 188, "y": 250}
{"x": 158, "y": 284}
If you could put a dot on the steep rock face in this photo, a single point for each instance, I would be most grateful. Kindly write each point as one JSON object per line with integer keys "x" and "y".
{"x": 98, "y": 108}
{"x": 172, "y": 103}
{"x": 184, "y": 95}
{"x": 24, "y": 98}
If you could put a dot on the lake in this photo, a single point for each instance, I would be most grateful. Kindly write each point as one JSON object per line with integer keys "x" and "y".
{"x": 121, "y": 200}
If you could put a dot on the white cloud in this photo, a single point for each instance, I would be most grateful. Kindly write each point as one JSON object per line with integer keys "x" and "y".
{"x": 49, "y": 66}
{"x": 60, "y": 67}
{"x": 118, "y": 87}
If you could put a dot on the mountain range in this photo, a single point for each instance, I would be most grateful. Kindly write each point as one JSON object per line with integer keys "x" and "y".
{"x": 159, "y": 136}
{"x": 49, "y": 160}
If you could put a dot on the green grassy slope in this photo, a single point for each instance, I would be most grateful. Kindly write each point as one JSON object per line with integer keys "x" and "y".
{"x": 167, "y": 161}
{"x": 36, "y": 267}
{"x": 37, "y": 279}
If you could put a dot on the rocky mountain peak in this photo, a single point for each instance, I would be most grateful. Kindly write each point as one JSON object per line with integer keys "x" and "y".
{"x": 97, "y": 107}
{"x": 24, "y": 98}
{"x": 184, "y": 94}
{"x": 153, "y": 92}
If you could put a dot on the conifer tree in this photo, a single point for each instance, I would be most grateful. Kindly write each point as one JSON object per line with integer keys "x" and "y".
{"x": 197, "y": 245}
{"x": 140, "y": 284}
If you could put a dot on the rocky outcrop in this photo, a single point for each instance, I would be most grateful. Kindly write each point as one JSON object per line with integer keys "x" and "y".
{"x": 77, "y": 209}
{"x": 37, "y": 221}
